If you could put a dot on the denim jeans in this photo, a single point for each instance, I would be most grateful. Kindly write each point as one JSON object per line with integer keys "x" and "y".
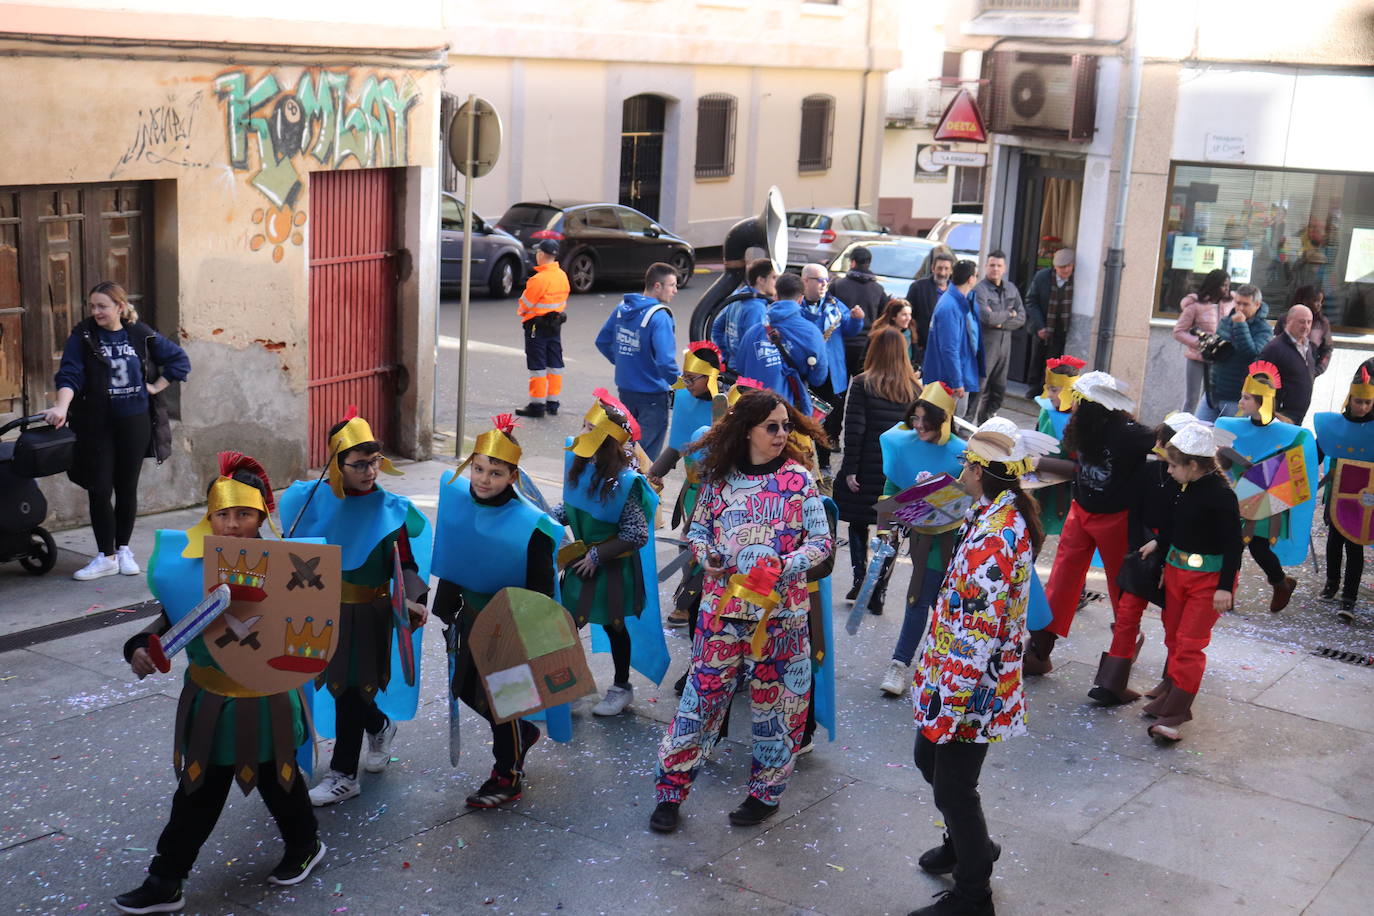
{"x": 651, "y": 411}
{"x": 918, "y": 605}
{"x": 1209, "y": 414}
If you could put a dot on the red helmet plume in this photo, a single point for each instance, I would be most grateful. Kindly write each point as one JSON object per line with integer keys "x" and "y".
{"x": 229, "y": 462}
{"x": 504, "y": 422}
{"x": 604, "y": 396}
{"x": 1260, "y": 367}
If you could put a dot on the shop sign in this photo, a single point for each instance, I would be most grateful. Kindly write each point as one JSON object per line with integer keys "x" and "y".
{"x": 1225, "y": 148}
{"x": 962, "y": 120}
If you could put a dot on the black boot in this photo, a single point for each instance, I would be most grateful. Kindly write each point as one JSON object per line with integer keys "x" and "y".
{"x": 953, "y": 903}
{"x": 752, "y": 812}
{"x": 665, "y": 817}
{"x": 1110, "y": 686}
{"x": 942, "y": 859}
{"x": 551, "y": 408}
{"x": 532, "y": 409}
{"x": 875, "y": 601}
{"x": 1329, "y": 590}
{"x": 1037, "y": 658}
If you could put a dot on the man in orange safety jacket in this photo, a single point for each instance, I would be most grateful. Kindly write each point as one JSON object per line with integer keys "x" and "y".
{"x": 542, "y": 313}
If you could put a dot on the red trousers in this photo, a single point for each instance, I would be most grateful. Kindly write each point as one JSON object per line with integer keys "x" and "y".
{"x": 1188, "y": 618}
{"x": 1126, "y": 629}
{"x": 1083, "y": 533}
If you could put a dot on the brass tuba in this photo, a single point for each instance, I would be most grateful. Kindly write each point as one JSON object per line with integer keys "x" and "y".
{"x": 768, "y": 231}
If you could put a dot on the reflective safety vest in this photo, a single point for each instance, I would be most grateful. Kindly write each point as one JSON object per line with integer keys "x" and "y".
{"x": 546, "y": 292}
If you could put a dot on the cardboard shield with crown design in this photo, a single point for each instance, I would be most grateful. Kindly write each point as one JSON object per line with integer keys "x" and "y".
{"x": 281, "y": 627}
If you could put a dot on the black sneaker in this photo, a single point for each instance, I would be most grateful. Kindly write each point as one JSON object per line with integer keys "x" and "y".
{"x": 551, "y": 408}
{"x": 154, "y": 895}
{"x": 1329, "y": 590}
{"x": 941, "y": 859}
{"x": 295, "y": 868}
{"x": 854, "y": 589}
{"x": 496, "y": 791}
{"x": 752, "y": 812}
{"x": 665, "y": 817}
{"x": 953, "y": 903}
{"x": 1347, "y": 611}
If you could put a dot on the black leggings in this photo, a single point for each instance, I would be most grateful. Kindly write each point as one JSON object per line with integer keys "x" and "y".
{"x": 353, "y": 715}
{"x": 117, "y": 460}
{"x": 1263, "y": 555}
{"x": 194, "y": 815}
{"x": 620, "y": 652}
{"x": 1336, "y": 544}
{"x": 952, "y": 770}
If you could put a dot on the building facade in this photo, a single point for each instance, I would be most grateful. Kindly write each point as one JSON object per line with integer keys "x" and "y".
{"x": 267, "y": 192}
{"x": 1248, "y": 157}
{"x": 687, "y": 110}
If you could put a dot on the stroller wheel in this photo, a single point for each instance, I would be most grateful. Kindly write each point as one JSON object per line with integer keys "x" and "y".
{"x": 42, "y": 552}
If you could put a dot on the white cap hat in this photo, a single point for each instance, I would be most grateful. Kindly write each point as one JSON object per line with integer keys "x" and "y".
{"x": 1179, "y": 419}
{"x": 1200, "y": 440}
{"x": 1101, "y": 388}
{"x": 999, "y": 439}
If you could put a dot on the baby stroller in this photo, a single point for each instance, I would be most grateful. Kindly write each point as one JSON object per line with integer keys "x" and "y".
{"x": 37, "y": 453}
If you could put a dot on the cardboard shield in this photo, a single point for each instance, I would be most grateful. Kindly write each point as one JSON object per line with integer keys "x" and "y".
{"x": 1352, "y": 500}
{"x": 281, "y": 626}
{"x": 933, "y": 506}
{"x": 1274, "y": 484}
{"x": 528, "y": 654}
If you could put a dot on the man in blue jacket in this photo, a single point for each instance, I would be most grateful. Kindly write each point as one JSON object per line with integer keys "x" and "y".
{"x": 786, "y": 352}
{"x": 1248, "y": 331}
{"x": 640, "y": 339}
{"x": 745, "y": 307}
{"x": 954, "y": 349}
{"x": 837, "y": 323}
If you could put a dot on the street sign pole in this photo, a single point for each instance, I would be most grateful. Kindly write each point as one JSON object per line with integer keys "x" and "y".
{"x": 470, "y": 126}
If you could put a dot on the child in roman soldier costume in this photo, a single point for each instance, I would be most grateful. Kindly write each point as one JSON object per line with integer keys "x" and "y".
{"x": 1201, "y": 542}
{"x": 693, "y": 402}
{"x": 1347, "y": 439}
{"x": 1109, "y": 447}
{"x": 489, "y": 537}
{"x": 373, "y": 679}
{"x": 1056, "y": 407}
{"x": 1277, "y": 484}
{"x": 212, "y": 746}
{"x": 924, "y": 443}
{"x": 610, "y": 572}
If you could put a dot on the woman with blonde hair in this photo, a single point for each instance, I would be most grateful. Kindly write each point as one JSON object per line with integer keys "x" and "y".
{"x": 113, "y": 369}
{"x": 879, "y": 397}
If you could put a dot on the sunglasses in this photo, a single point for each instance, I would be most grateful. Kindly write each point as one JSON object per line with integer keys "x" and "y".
{"x": 361, "y": 466}
{"x": 773, "y": 427}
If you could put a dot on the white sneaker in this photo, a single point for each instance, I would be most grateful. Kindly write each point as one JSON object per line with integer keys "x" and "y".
{"x": 335, "y": 787}
{"x": 614, "y": 702}
{"x": 128, "y": 566}
{"x": 896, "y": 681}
{"x": 99, "y": 567}
{"x": 378, "y": 753}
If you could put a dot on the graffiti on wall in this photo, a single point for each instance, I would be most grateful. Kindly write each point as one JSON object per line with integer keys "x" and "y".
{"x": 163, "y": 134}
{"x": 327, "y": 117}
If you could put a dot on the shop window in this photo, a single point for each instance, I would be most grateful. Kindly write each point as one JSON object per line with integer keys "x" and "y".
{"x": 1279, "y": 229}
{"x": 817, "y": 126}
{"x": 968, "y": 185}
{"x": 716, "y": 136}
{"x": 55, "y": 243}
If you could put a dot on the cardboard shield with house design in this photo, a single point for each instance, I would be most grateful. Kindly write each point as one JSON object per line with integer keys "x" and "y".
{"x": 528, "y": 653}
{"x": 281, "y": 626}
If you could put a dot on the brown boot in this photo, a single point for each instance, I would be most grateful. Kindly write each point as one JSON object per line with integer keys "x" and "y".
{"x": 1157, "y": 696}
{"x": 1282, "y": 592}
{"x": 1111, "y": 683}
{"x": 1176, "y": 709}
{"x": 1036, "y": 660}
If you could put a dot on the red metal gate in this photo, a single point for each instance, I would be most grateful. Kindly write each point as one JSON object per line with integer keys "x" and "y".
{"x": 353, "y": 316}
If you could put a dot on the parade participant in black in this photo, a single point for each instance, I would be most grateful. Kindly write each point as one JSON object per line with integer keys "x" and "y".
{"x": 210, "y": 750}
{"x": 362, "y": 691}
{"x": 859, "y": 288}
{"x": 489, "y": 537}
{"x": 1348, "y": 439}
{"x": 114, "y": 367}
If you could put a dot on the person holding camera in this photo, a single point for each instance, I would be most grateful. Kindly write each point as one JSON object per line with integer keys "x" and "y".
{"x": 1199, "y": 314}
{"x": 542, "y": 311}
{"x": 1247, "y": 330}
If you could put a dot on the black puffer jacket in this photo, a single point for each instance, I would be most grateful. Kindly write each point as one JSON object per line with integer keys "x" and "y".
{"x": 866, "y": 417}
{"x": 861, "y": 288}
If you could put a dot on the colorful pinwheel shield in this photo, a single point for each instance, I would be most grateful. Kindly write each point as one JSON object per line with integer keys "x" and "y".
{"x": 1352, "y": 500}
{"x": 1274, "y": 485}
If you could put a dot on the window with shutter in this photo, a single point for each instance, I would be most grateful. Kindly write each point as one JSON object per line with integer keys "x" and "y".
{"x": 715, "y": 136}
{"x": 817, "y": 126}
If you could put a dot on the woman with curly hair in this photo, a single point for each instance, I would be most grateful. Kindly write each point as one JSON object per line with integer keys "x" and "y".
{"x": 758, "y": 528}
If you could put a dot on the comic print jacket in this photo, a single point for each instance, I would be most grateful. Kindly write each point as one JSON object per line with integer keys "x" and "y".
{"x": 746, "y": 517}
{"x": 967, "y": 685}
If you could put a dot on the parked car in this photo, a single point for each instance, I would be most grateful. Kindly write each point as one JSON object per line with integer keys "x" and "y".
{"x": 599, "y": 241}
{"x": 817, "y": 235}
{"x": 962, "y": 233}
{"x": 499, "y": 261}
{"x": 896, "y": 262}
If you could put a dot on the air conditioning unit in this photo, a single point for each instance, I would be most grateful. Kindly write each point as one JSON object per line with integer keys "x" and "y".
{"x": 1045, "y": 95}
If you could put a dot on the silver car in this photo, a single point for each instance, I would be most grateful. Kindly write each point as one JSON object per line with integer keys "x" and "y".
{"x": 499, "y": 262}
{"x": 817, "y": 235}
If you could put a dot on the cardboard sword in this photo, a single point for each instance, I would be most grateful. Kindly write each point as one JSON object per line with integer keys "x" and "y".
{"x": 162, "y": 648}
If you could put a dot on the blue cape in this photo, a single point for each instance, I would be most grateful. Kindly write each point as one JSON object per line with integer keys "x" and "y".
{"x": 1256, "y": 442}
{"x": 689, "y": 414}
{"x": 823, "y": 679}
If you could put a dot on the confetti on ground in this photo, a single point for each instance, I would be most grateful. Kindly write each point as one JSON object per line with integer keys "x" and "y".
{"x": 461, "y": 843}
{"x": 836, "y": 867}
{"x": 680, "y": 874}
{"x": 338, "y": 890}
{"x": 405, "y": 864}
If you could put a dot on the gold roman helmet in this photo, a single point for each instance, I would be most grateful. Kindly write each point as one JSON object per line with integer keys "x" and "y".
{"x": 938, "y": 394}
{"x": 698, "y": 366}
{"x": 355, "y": 432}
{"x": 1060, "y": 372}
{"x": 1264, "y": 383}
{"x": 603, "y": 427}
{"x": 228, "y": 493}
{"x": 494, "y": 443}
{"x": 1361, "y": 388}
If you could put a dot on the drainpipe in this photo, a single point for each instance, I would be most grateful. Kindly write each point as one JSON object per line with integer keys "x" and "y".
{"x": 863, "y": 103}
{"x": 1116, "y": 255}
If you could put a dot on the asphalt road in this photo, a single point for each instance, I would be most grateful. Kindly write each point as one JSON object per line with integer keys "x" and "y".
{"x": 497, "y": 379}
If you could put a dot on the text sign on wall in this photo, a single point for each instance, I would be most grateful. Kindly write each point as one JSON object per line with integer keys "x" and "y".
{"x": 1224, "y": 148}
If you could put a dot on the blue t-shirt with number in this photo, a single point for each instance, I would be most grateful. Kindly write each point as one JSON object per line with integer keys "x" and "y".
{"x": 127, "y": 390}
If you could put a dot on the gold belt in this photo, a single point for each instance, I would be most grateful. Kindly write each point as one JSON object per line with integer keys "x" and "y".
{"x": 363, "y": 594}
{"x": 216, "y": 681}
